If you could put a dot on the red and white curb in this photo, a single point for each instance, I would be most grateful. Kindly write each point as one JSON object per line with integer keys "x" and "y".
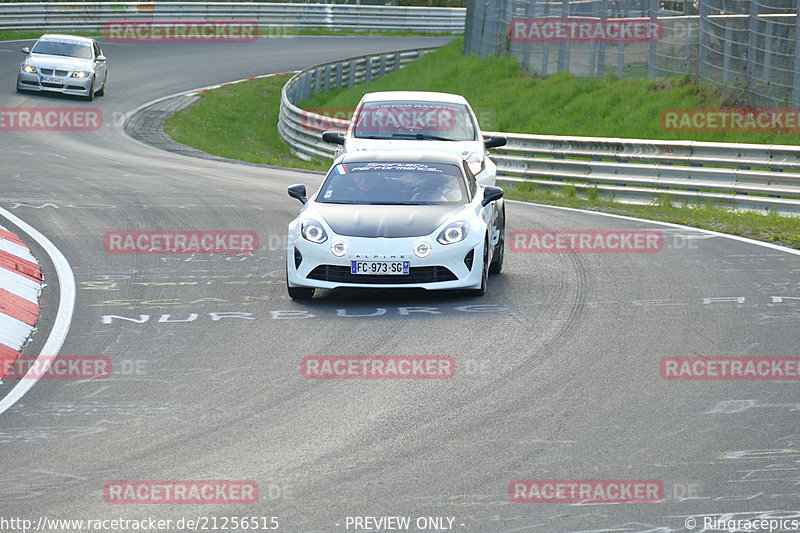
{"x": 20, "y": 288}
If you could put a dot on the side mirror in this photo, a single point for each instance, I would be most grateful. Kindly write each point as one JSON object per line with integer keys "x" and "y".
{"x": 298, "y": 191}
{"x": 26, "y": 50}
{"x": 333, "y": 137}
{"x": 100, "y": 58}
{"x": 491, "y": 194}
{"x": 495, "y": 141}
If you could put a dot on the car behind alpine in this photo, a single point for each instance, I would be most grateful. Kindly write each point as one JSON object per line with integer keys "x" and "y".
{"x": 65, "y": 64}
{"x": 396, "y": 220}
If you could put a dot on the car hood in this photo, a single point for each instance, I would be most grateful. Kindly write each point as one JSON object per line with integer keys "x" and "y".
{"x": 386, "y": 220}
{"x": 59, "y": 62}
{"x": 469, "y": 150}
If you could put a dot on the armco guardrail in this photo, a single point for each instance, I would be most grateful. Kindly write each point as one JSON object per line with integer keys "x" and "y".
{"x": 303, "y": 129}
{"x": 637, "y": 170}
{"x": 272, "y": 18}
{"x": 744, "y": 176}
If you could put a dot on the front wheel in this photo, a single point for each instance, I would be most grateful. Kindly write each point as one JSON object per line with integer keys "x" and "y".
{"x": 102, "y": 90}
{"x": 90, "y": 96}
{"x": 300, "y": 293}
{"x": 484, "y": 274}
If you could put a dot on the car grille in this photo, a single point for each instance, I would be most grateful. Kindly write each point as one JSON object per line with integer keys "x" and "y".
{"x": 54, "y": 85}
{"x": 341, "y": 274}
{"x": 49, "y": 72}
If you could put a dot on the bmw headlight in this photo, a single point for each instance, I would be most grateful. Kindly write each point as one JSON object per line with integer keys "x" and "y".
{"x": 339, "y": 248}
{"x": 477, "y": 166}
{"x": 313, "y": 231}
{"x": 453, "y": 233}
{"x": 422, "y": 249}
{"x": 30, "y": 69}
{"x": 80, "y": 74}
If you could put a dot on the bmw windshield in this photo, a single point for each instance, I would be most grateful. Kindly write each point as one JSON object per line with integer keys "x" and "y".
{"x": 63, "y": 47}
{"x": 391, "y": 183}
{"x": 414, "y": 120}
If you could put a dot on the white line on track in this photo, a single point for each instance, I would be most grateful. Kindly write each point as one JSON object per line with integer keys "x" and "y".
{"x": 668, "y": 224}
{"x": 66, "y": 306}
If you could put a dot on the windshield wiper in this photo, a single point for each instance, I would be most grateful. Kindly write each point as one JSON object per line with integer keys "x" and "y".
{"x": 421, "y": 136}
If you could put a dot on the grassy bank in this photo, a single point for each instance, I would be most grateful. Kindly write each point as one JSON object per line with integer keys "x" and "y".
{"x": 223, "y": 122}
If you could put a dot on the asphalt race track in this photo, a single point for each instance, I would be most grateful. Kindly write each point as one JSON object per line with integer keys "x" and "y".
{"x": 557, "y": 367}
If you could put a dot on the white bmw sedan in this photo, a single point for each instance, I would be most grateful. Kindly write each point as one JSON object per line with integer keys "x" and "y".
{"x": 64, "y": 64}
{"x": 396, "y": 220}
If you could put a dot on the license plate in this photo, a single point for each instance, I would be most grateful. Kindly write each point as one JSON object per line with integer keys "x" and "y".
{"x": 48, "y": 79}
{"x": 397, "y": 268}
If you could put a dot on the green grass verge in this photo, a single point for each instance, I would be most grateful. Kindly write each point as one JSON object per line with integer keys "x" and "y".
{"x": 763, "y": 227}
{"x": 224, "y": 123}
{"x": 239, "y": 122}
{"x": 507, "y": 100}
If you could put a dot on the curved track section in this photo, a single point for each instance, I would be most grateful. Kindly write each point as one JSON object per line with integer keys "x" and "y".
{"x": 557, "y": 368}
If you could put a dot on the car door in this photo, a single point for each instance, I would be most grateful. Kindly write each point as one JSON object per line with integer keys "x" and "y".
{"x": 99, "y": 66}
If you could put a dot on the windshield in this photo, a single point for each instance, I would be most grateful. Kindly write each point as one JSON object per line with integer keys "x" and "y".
{"x": 414, "y": 120}
{"x": 394, "y": 184}
{"x": 64, "y": 47}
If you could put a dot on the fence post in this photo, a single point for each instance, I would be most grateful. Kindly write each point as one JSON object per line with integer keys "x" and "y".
{"x": 368, "y": 70}
{"x": 768, "y": 52}
{"x": 338, "y": 74}
{"x": 726, "y": 58}
{"x": 601, "y": 47}
{"x": 563, "y": 47}
{"x": 796, "y": 84}
{"x": 546, "y": 47}
{"x": 651, "y": 60}
{"x": 351, "y": 82}
{"x": 752, "y": 29}
{"x": 397, "y": 60}
{"x": 703, "y": 66}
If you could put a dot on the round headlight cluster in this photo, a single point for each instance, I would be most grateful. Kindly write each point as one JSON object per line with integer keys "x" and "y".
{"x": 453, "y": 233}
{"x": 422, "y": 249}
{"x": 338, "y": 248}
{"x": 313, "y": 231}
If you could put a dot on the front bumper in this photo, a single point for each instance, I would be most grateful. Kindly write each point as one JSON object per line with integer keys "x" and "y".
{"x": 452, "y": 266}
{"x": 33, "y": 82}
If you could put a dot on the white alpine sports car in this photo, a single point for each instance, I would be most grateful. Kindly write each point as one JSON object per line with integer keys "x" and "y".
{"x": 396, "y": 220}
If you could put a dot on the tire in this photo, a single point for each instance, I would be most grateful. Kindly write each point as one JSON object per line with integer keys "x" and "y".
{"x": 300, "y": 293}
{"x": 499, "y": 250}
{"x": 484, "y": 275}
{"x": 102, "y": 90}
{"x": 90, "y": 96}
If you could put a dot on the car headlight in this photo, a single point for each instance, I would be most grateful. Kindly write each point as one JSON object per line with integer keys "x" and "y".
{"x": 477, "y": 166}
{"x": 422, "y": 249}
{"x": 339, "y": 248}
{"x": 313, "y": 231}
{"x": 80, "y": 74}
{"x": 453, "y": 233}
{"x": 29, "y": 69}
